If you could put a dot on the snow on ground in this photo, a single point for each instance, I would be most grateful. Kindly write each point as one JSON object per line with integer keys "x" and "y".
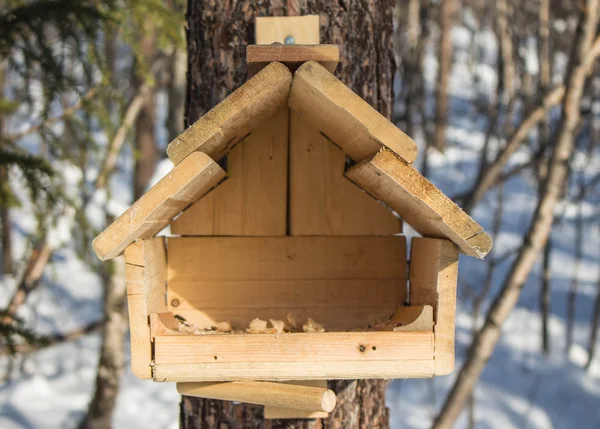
{"x": 520, "y": 387}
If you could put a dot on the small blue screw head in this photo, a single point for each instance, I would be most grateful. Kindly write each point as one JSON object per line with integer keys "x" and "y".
{"x": 289, "y": 40}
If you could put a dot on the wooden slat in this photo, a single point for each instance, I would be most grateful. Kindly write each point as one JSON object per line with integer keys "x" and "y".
{"x": 294, "y": 370}
{"x": 345, "y": 118}
{"x": 264, "y": 393}
{"x": 316, "y": 293}
{"x": 271, "y": 412}
{"x": 145, "y": 295}
{"x": 304, "y": 347}
{"x": 341, "y": 282}
{"x": 414, "y": 318}
{"x": 419, "y": 202}
{"x": 253, "y": 200}
{"x": 433, "y": 278}
{"x": 215, "y": 133}
{"x": 292, "y": 56}
{"x": 322, "y": 200}
{"x": 134, "y": 254}
{"x": 274, "y": 29}
{"x": 185, "y": 184}
{"x": 273, "y": 258}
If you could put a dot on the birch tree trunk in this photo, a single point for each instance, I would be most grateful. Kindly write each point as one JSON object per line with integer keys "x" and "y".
{"x": 541, "y": 224}
{"x": 218, "y": 33}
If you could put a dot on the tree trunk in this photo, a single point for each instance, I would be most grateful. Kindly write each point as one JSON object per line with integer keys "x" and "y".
{"x": 218, "y": 33}
{"x": 445, "y": 66}
{"x": 145, "y": 125}
{"x": 484, "y": 343}
{"x": 5, "y": 224}
{"x": 110, "y": 366}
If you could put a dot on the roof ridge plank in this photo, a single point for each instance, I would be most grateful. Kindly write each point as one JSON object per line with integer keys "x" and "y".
{"x": 182, "y": 186}
{"x": 226, "y": 124}
{"x": 344, "y": 117}
{"x": 419, "y": 202}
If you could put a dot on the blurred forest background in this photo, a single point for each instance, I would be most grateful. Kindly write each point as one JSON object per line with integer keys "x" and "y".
{"x": 503, "y": 98}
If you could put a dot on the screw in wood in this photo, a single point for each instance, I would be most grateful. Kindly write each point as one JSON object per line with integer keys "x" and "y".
{"x": 289, "y": 40}
{"x": 175, "y": 303}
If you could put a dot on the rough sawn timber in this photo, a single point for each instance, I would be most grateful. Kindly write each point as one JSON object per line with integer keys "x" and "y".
{"x": 253, "y": 200}
{"x": 344, "y": 117}
{"x": 215, "y": 133}
{"x": 420, "y": 203}
{"x": 292, "y": 56}
{"x": 145, "y": 274}
{"x": 433, "y": 280}
{"x": 185, "y": 184}
{"x": 264, "y": 393}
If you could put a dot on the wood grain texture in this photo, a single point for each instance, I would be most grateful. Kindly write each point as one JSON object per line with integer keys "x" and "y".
{"x": 253, "y": 200}
{"x": 215, "y": 133}
{"x": 433, "y": 279}
{"x": 413, "y": 318}
{"x": 341, "y": 282}
{"x": 185, "y": 184}
{"x": 309, "y": 398}
{"x": 419, "y": 202}
{"x": 345, "y": 118}
{"x": 292, "y": 56}
{"x": 293, "y": 347}
{"x": 274, "y": 29}
{"x": 145, "y": 294}
{"x": 294, "y": 413}
{"x": 294, "y": 370}
{"x": 322, "y": 201}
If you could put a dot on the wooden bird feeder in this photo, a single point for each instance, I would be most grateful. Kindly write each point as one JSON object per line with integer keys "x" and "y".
{"x": 283, "y": 206}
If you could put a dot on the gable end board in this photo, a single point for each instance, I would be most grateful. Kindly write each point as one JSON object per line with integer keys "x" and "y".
{"x": 419, "y": 202}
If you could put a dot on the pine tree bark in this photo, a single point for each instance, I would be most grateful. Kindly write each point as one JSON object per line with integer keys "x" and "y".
{"x": 539, "y": 230}
{"x": 218, "y": 34}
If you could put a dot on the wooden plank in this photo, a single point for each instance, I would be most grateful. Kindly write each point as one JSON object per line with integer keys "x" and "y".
{"x": 311, "y": 293}
{"x": 275, "y": 29}
{"x": 292, "y": 56}
{"x": 253, "y": 200}
{"x": 433, "y": 279}
{"x": 271, "y": 412}
{"x": 264, "y": 393}
{"x": 419, "y": 202}
{"x": 322, "y": 201}
{"x": 345, "y": 118}
{"x": 134, "y": 254}
{"x": 273, "y": 258}
{"x": 341, "y": 282}
{"x": 215, "y": 133}
{"x": 413, "y": 318}
{"x": 294, "y": 370}
{"x": 185, "y": 184}
{"x": 292, "y": 347}
{"x": 145, "y": 295}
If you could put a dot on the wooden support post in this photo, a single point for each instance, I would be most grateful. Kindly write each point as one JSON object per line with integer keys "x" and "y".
{"x": 433, "y": 278}
{"x": 264, "y": 393}
{"x": 146, "y": 273}
{"x": 293, "y": 413}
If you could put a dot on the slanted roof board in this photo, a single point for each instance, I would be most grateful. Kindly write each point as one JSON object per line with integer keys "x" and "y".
{"x": 344, "y": 117}
{"x": 420, "y": 203}
{"x": 215, "y": 133}
{"x": 185, "y": 184}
